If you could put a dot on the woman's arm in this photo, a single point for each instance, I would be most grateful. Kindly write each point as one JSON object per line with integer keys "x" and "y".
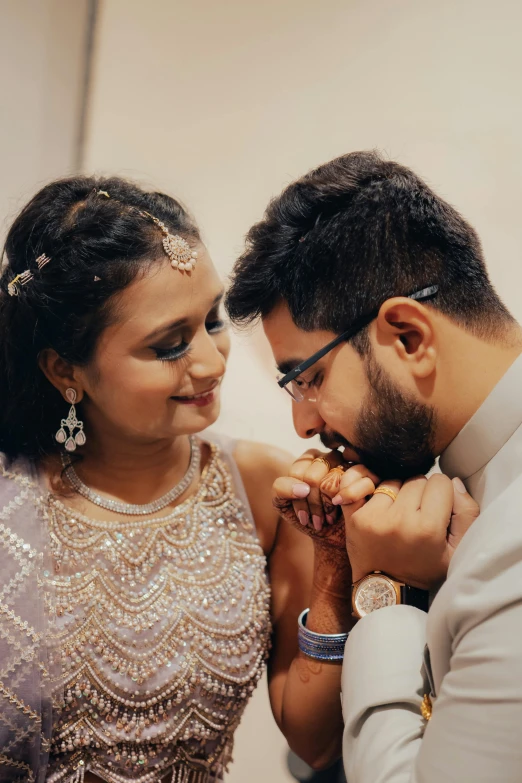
{"x": 304, "y": 572}
{"x": 305, "y": 692}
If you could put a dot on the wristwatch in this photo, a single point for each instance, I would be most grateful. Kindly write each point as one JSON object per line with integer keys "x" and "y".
{"x": 378, "y": 590}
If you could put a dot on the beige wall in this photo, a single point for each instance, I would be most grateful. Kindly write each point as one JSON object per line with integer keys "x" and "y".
{"x": 41, "y": 73}
{"x": 224, "y": 103}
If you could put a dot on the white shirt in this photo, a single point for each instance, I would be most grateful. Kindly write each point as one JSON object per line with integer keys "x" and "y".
{"x": 467, "y": 651}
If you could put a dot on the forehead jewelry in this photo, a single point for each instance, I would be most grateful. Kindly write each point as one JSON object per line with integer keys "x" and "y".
{"x": 177, "y": 249}
{"x": 13, "y": 288}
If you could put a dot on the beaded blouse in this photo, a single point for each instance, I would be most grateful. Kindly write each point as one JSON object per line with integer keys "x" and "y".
{"x": 161, "y": 634}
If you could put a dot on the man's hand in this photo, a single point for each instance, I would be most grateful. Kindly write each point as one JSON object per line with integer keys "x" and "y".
{"x": 413, "y": 538}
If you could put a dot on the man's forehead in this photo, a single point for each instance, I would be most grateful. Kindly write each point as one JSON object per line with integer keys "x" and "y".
{"x": 290, "y": 343}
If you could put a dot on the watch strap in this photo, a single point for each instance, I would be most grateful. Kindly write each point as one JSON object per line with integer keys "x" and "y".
{"x": 414, "y": 596}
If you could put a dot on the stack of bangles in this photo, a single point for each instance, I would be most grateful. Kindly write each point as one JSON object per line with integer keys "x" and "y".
{"x": 323, "y": 646}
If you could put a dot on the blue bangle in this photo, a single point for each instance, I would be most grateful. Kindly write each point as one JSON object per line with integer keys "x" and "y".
{"x": 322, "y": 646}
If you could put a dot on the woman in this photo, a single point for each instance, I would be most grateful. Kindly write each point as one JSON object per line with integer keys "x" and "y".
{"x": 135, "y": 595}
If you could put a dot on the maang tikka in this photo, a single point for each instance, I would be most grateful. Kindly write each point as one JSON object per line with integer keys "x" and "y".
{"x": 177, "y": 249}
{"x": 71, "y": 423}
{"x": 180, "y": 254}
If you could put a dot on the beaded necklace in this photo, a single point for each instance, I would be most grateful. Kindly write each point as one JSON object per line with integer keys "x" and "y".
{"x": 133, "y": 509}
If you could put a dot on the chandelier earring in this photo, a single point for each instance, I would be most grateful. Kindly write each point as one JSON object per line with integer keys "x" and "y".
{"x": 71, "y": 423}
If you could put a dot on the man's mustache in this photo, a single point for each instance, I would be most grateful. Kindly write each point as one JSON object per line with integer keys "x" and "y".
{"x": 334, "y": 440}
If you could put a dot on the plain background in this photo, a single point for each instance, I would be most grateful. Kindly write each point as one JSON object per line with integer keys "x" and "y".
{"x": 222, "y": 104}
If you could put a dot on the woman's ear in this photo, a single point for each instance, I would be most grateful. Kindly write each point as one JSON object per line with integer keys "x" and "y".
{"x": 408, "y": 327}
{"x": 60, "y": 373}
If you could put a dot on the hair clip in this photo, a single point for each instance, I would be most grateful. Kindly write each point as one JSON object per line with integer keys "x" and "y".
{"x": 96, "y": 279}
{"x": 13, "y": 288}
{"x": 177, "y": 249}
{"x": 102, "y": 193}
{"x": 22, "y": 279}
{"x": 42, "y": 261}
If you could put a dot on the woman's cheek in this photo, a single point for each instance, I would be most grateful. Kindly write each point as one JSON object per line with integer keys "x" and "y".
{"x": 224, "y": 350}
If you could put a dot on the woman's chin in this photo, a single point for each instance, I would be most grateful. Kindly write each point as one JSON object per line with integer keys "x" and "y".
{"x": 199, "y": 419}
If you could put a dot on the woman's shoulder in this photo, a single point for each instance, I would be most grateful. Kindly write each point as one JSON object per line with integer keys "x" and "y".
{"x": 19, "y": 469}
{"x": 261, "y": 460}
{"x": 259, "y": 465}
{"x": 252, "y": 457}
{"x": 19, "y": 481}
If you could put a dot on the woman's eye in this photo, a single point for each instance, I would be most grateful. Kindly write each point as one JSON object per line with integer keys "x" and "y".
{"x": 172, "y": 353}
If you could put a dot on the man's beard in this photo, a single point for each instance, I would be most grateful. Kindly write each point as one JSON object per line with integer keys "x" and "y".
{"x": 394, "y": 433}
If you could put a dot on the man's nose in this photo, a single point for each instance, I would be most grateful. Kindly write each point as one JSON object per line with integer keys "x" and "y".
{"x": 307, "y": 421}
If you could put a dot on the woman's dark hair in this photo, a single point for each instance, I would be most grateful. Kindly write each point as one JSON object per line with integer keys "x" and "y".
{"x": 97, "y": 240}
{"x": 352, "y": 233}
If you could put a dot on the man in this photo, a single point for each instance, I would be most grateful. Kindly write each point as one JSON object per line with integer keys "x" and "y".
{"x": 362, "y": 270}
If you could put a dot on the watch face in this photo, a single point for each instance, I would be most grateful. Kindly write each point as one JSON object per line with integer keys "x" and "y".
{"x": 376, "y": 592}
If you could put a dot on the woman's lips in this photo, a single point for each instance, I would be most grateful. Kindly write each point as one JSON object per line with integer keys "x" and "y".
{"x": 198, "y": 400}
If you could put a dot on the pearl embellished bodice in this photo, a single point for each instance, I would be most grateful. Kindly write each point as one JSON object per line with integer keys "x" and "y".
{"x": 163, "y": 629}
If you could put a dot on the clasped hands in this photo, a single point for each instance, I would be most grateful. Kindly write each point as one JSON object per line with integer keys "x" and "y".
{"x": 409, "y": 532}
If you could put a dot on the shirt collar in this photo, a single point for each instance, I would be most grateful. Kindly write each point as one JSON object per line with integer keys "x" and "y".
{"x": 489, "y": 429}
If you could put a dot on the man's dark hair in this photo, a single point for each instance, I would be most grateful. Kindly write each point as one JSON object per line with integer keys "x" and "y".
{"x": 352, "y": 233}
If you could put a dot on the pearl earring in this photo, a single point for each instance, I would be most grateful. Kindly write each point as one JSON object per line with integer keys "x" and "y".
{"x": 72, "y": 423}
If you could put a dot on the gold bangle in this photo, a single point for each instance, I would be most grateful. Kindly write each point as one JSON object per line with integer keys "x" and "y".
{"x": 386, "y": 491}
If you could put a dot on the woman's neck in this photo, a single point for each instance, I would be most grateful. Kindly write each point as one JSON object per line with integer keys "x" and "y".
{"x": 134, "y": 473}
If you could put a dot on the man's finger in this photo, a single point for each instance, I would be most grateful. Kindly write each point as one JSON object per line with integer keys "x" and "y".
{"x": 356, "y": 472}
{"x": 437, "y": 503}
{"x": 411, "y": 494}
{"x": 358, "y": 490}
{"x": 464, "y": 512}
{"x": 384, "y": 496}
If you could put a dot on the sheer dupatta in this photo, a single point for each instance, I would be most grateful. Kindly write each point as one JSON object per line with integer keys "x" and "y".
{"x": 26, "y": 611}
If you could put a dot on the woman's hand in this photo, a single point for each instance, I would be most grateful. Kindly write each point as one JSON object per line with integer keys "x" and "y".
{"x": 305, "y": 497}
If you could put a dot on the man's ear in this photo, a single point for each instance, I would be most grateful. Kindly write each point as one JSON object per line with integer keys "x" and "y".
{"x": 408, "y": 327}
{"x": 60, "y": 373}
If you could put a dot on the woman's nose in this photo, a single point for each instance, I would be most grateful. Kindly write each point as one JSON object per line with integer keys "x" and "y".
{"x": 207, "y": 359}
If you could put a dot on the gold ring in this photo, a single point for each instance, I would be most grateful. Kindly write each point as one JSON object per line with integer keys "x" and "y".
{"x": 386, "y": 491}
{"x": 324, "y": 460}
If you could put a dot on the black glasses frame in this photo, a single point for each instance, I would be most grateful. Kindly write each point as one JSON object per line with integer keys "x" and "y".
{"x": 360, "y": 323}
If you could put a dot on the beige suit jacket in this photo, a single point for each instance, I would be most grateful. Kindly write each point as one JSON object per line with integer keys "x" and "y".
{"x": 467, "y": 651}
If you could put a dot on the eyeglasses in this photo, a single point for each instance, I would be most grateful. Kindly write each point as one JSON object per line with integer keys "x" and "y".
{"x": 297, "y": 388}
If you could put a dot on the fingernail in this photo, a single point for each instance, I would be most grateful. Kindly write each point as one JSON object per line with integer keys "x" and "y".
{"x": 303, "y": 517}
{"x": 318, "y": 522}
{"x": 459, "y": 486}
{"x": 339, "y": 501}
{"x": 330, "y": 518}
{"x": 301, "y": 490}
